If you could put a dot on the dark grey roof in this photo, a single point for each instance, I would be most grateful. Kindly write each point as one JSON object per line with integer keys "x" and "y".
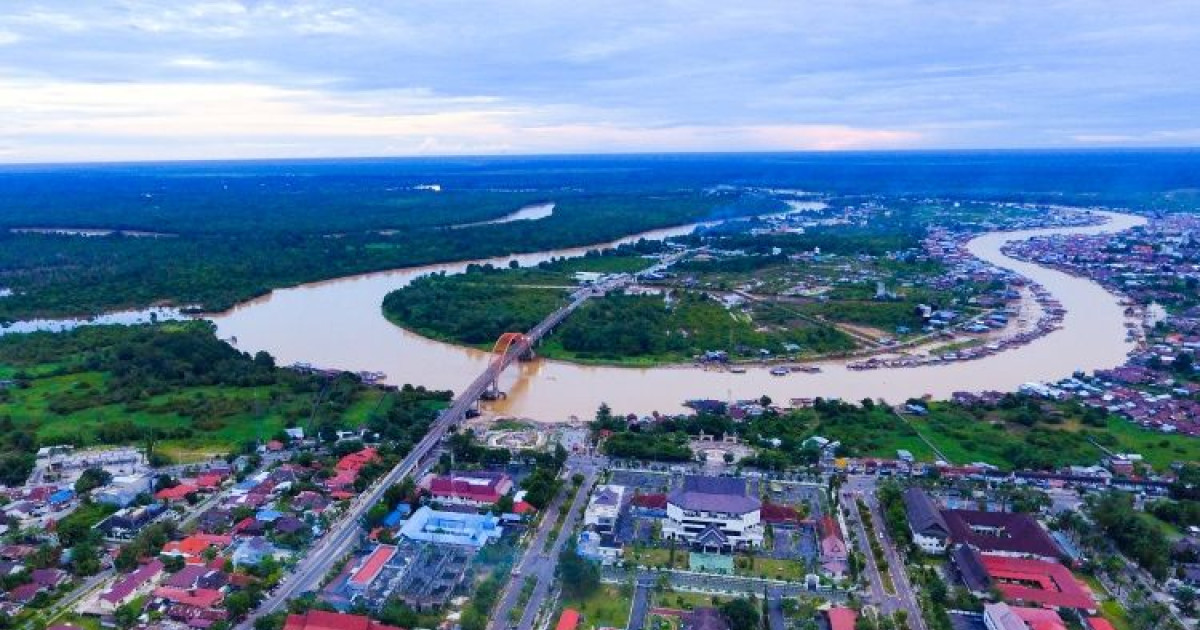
{"x": 606, "y": 496}
{"x": 924, "y": 517}
{"x": 1018, "y": 533}
{"x": 713, "y": 494}
{"x": 712, "y": 536}
{"x": 970, "y": 568}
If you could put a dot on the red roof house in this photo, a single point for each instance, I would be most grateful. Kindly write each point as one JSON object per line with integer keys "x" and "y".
{"x": 474, "y": 488}
{"x": 569, "y": 620}
{"x": 321, "y": 620}
{"x": 176, "y": 493}
{"x": 197, "y": 597}
{"x": 842, "y": 618}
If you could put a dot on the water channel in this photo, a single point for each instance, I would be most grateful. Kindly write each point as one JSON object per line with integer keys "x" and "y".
{"x": 339, "y": 324}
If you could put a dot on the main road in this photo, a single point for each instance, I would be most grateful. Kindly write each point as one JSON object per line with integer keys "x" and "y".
{"x": 537, "y": 563}
{"x": 904, "y": 598}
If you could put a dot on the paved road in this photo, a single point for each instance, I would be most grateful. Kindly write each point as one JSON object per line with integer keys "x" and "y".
{"x": 877, "y": 595}
{"x": 775, "y": 620}
{"x": 905, "y": 598}
{"x": 537, "y": 563}
{"x": 641, "y": 602}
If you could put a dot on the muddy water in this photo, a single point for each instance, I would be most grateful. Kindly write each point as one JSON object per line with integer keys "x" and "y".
{"x": 339, "y": 324}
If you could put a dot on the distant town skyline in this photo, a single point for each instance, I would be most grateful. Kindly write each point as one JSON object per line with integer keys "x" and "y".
{"x": 216, "y": 79}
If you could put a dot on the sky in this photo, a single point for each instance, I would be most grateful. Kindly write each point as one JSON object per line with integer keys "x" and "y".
{"x": 111, "y": 80}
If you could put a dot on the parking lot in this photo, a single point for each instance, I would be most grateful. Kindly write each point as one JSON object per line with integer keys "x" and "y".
{"x": 794, "y": 543}
{"x": 798, "y": 495}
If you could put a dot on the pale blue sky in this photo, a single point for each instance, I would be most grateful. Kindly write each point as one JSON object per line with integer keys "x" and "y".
{"x": 126, "y": 79}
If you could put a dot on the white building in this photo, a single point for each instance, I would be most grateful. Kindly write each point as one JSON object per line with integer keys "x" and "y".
{"x": 713, "y": 513}
{"x": 605, "y": 508}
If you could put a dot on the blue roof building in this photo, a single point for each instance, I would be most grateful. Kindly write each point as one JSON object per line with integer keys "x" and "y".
{"x": 451, "y": 528}
{"x": 397, "y": 515}
{"x": 61, "y": 496}
{"x": 268, "y": 515}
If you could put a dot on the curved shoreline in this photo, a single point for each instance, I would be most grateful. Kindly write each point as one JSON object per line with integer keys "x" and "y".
{"x": 339, "y": 323}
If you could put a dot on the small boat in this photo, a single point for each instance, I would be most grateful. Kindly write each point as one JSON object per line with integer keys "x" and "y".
{"x": 737, "y": 370}
{"x": 780, "y": 371}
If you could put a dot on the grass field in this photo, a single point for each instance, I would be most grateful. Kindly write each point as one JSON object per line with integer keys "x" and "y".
{"x": 657, "y": 558}
{"x": 1112, "y": 611}
{"x": 238, "y": 414}
{"x": 964, "y": 439}
{"x": 771, "y": 568}
{"x": 608, "y": 607}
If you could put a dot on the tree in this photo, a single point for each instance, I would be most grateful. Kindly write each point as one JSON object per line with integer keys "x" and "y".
{"x": 740, "y": 613}
{"x": 85, "y": 559}
{"x": 15, "y": 468}
{"x": 90, "y": 479}
{"x": 579, "y": 577}
{"x": 126, "y": 615}
{"x": 237, "y": 604}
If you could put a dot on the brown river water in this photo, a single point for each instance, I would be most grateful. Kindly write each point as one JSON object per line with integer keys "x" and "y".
{"x": 339, "y": 324}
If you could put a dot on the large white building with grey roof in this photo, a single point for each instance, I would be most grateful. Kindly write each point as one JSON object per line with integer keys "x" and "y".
{"x": 713, "y": 514}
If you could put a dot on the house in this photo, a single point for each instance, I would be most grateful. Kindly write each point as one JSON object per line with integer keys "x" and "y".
{"x": 192, "y": 548}
{"x": 604, "y": 508}
{"x": 835, "y": 555}
{"x": 713, "y": 513}
{"x": 127, "y": 522}
{"x": 252, "y": 551}
{"x": 196, "y": 576}
{"x": 396, "y": 516}
{"x": 930, "y": 531}
{"x": 176, "y": 493}
{"x": 130, "y": 587}
{"x": 602, "y": 548}
{"x": 477, "y": 489}
{"x": 370, "y": 567}
{"x": 841, "y": 618}
{"x": 569, "y": 620}
{"x": 193, "y": 597}
{"x": 26, "y": 593}
{"x": 49, "y": 578}
{"x": 322, "y": 620}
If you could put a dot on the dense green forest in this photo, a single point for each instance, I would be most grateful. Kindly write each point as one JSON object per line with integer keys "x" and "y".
{"x": 477, "y": 307}
{"x": 178, "y": 387}
{"x": 228, "y": 250}
{"x": 648, "y": 327}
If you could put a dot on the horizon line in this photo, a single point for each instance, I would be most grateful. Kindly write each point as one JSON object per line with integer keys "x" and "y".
{"x": 601, "y": 154}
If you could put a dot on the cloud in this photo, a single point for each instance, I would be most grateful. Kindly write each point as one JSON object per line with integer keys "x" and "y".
{"x": 191, "y": 120}
{"x": 149, "y": 78}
